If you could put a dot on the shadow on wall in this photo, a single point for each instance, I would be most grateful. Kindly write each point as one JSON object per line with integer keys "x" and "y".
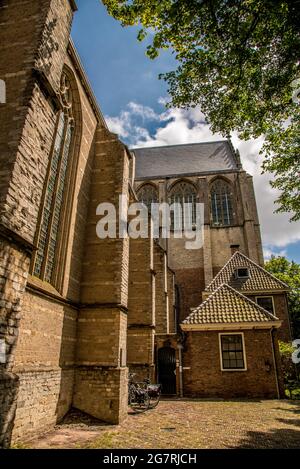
{"x": 9, "y": 385}
{"x": 11, "y": 289}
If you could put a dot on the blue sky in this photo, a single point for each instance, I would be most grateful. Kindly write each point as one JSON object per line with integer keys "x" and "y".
{"x": 132, "y": 98}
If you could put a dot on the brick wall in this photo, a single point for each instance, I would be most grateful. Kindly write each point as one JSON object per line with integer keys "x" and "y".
{"x": 102, "y": 322}
{"x": 204, "y": 377}
{"x": 281, "y": 311}
{"x": 161, "y": 291}
{"x": 102, "y": 392}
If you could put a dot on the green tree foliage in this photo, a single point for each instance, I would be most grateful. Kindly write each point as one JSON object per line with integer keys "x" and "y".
{"x": 288, "y": 272}
{"x": 238, "y": 60}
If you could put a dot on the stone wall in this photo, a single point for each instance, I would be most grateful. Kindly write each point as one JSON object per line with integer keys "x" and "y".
{"x": 202, "y": 369}
{"x": 28, "y": 117}
{"x": 14, "y": 265}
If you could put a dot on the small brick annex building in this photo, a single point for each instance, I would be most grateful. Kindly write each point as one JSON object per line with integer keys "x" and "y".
{"x": 77, "y": 311}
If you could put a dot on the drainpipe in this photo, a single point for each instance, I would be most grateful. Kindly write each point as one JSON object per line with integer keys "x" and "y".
{"x": 180, "y": 347}
{"x": 275, "y": 362}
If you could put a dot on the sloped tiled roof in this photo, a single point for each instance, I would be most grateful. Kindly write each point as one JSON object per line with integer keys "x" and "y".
{"x": 259, "y": 278}
{"x": 226, "y": 305}
{"x": 194, "y": 158}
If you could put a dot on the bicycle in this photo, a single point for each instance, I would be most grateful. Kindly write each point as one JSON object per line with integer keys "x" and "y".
{"x": 143, "y": 395}
{"x": 154, "y": 391}
{"x": 138, "y": 397}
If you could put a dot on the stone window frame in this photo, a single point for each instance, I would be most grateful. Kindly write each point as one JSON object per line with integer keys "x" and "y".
{"x": 58, "y": 273}
{"x": 221, "y": 355}
{"x": 232, "y": 210}
{"x": 172, "y": 190}
{"x": 266, "y": 296}
{"x": 154, "y": 190}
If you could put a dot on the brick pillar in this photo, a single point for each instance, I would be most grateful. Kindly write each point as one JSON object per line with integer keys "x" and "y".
{"x": 101, "y": 376}
{"x": 141, "y": 307}
{"x": 251, "y": 223}
{"x": 203, "y": 197}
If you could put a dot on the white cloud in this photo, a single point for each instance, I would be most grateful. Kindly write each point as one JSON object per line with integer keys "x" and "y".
{"x": 176, "y": 126}
{"x": 268, "y": 252}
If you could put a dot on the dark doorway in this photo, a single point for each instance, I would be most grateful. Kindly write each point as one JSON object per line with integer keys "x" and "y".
{"x": 167, "y": 370}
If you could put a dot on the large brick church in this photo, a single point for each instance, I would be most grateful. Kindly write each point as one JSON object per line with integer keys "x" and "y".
{"x": 78, "y": 311}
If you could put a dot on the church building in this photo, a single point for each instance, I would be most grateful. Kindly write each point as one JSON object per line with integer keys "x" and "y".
{"x": 77, "y": 311}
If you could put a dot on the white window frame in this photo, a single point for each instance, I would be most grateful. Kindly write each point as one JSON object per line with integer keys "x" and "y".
{"x": 266, "y": 296}
{"x": 244, "y": 351}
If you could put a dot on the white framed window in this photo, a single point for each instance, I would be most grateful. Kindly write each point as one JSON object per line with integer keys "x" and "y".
{"x": 266, "y": 302}
{"x": 232, "y": 351}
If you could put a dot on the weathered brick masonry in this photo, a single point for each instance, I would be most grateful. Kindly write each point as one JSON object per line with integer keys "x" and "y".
{"x": 202, "y": 369}
{"x": 112, "y": 302}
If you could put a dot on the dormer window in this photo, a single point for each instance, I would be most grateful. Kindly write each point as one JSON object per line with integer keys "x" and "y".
{"x": 242, "y": 273}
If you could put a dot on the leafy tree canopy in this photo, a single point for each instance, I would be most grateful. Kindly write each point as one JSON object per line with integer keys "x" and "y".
{"x": 288, "y": 272}
{"x": 238, "y": 60}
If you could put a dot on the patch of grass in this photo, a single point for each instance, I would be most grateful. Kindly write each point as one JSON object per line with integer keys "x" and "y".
{"x": 106, "y": 440}
{"x": 20, "y": 445}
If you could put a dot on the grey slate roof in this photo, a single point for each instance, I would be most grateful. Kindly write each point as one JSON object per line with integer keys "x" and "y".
{"x": 193, "y": 158}
{"x": 226, "y": 305}
{"x": 260, "y": 280}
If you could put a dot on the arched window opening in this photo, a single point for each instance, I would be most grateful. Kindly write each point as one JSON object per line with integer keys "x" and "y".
{"x": 221, "y": 203}
{"x": 182, "y": 201}
{"x": 50, "y": 218}
{"x": 148, "y": 195}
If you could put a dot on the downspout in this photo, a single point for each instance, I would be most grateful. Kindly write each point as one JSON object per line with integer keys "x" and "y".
{"x": 275, "y": 362}
{"x": 180, "y": 347}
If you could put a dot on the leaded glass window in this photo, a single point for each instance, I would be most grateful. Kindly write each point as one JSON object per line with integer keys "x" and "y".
{"x": 182, "y": 201}
{"x": 148, "y": 195}
{"x": 50, "y": 224}
{"x": 221, "y": 203}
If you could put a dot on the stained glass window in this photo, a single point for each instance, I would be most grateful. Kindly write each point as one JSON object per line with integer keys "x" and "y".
{"x": 182, "y": 201}
{"x": 221, "y": 203}
{"x": 54, "y": 194}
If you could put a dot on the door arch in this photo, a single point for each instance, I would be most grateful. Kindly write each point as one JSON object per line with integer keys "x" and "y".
{"x": 166, "y": 358}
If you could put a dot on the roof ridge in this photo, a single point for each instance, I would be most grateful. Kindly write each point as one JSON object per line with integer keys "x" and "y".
{"x": 250, "y": 301}
{"x": 220, "y": 271}
{"x": 265, "y": 271}
{"x": 225, "y": 286}
{"x": 179, "y": 145}
{"x": 239, "y": 253}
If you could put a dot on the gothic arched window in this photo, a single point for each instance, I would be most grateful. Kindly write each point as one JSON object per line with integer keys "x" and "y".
{"x": 50, "y": 217}
{"x": 182, "y": 201}
{"x": 221, "y": 203}
{"x": 148, "y": 195}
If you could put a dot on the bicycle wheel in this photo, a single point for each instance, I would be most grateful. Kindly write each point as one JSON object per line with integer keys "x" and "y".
{"x": 140, "y": 403}
{"x": 154, "y": 401}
